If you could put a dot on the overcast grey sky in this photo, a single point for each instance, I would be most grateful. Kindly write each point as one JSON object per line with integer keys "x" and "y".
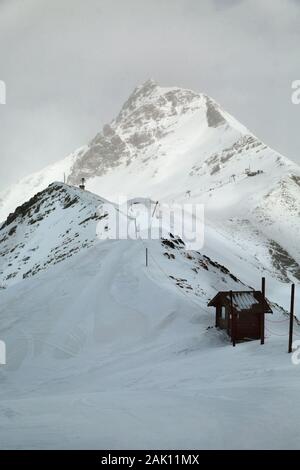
{"x": 69, "y": 65}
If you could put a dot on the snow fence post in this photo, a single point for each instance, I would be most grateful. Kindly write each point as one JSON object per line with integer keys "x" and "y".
{"x": 262, "y": 316}
{"x": 291, "y": 319}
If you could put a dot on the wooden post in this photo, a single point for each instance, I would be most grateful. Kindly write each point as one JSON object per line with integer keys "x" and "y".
{"x": 262, "y": 315}
{"x": 146, "y": 256}
{"x": 263, "y": 286}
{"x": 232, "y": 321}
{"x": 227, "y": 315}
{"x": 236, "y": 324}
{"x": 291, "y": 318}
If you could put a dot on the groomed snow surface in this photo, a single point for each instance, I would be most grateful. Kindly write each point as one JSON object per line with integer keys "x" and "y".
{"x": 106, "y": 353}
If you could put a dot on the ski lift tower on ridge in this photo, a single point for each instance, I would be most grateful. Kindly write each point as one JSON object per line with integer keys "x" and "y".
{"x": 82, "y": 185}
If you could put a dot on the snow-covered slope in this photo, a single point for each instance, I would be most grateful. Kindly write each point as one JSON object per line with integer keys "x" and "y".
{"x": 175, "y": 145}
{"x": 106, "y": 352}
{"x": 54, "y": 225}
{"x": 62, "y": 221}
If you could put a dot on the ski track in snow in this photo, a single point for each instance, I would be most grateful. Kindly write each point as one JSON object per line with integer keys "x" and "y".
{"x": 151, "y": 377}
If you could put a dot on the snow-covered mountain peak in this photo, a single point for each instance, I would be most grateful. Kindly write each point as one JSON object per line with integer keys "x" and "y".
{"x": 150, "y": 100}
{"x": 159, "y": 138}
{"x": 150, "y": 97}
{"x": 155, "y": 128}
{"x": 174, "y": 145}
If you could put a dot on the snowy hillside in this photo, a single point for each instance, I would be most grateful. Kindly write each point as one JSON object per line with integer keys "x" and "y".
{"x": 106, "y": 352}
{"x": 54, "y": 225}
{"x": 175, "y": 145}
{"x": 62, "y": 221}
